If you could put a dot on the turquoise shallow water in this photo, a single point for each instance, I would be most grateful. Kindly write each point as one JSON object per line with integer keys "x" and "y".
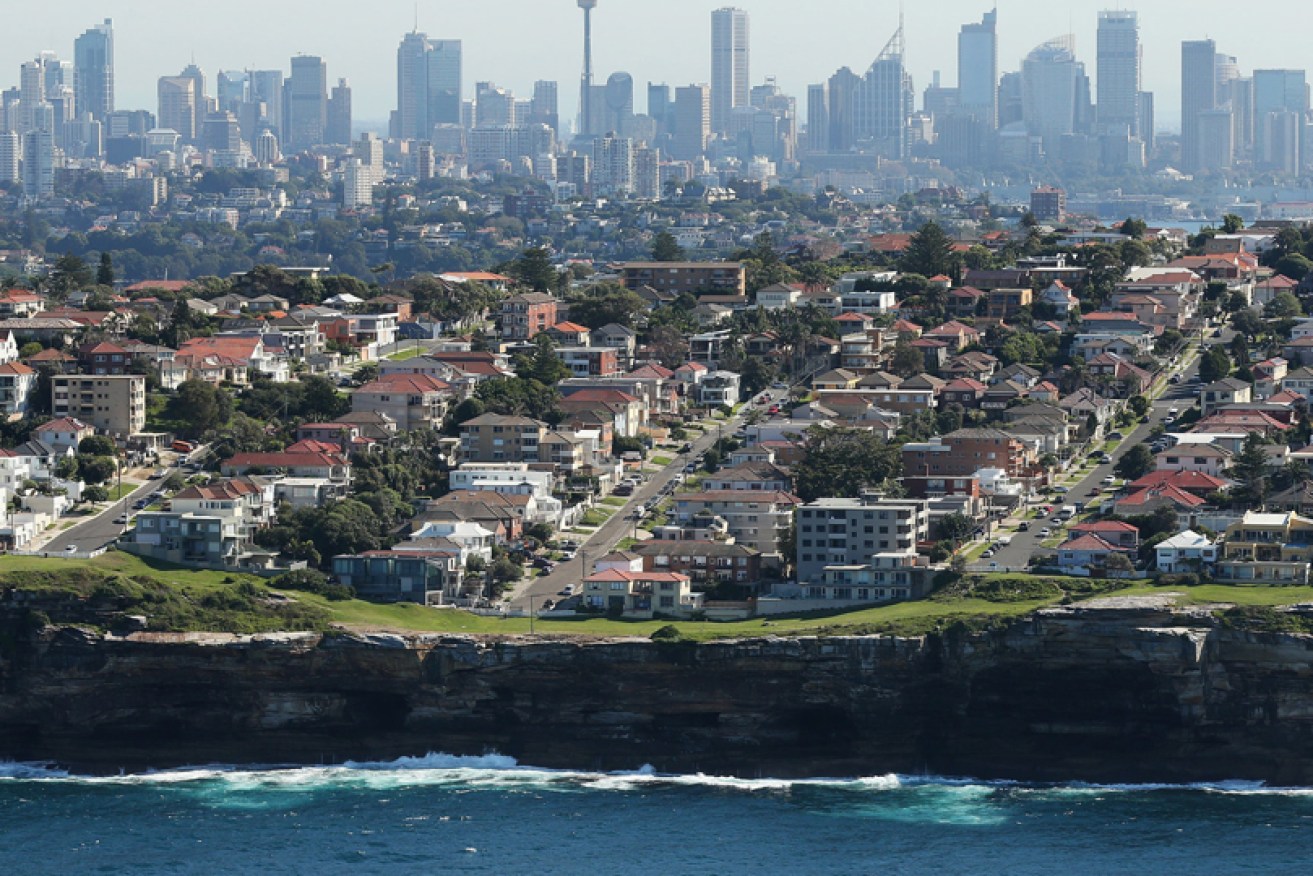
{"x": 442, "y": 814}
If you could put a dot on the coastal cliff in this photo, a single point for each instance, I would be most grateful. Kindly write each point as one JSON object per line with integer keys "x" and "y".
{"x": 1117, "y": 693}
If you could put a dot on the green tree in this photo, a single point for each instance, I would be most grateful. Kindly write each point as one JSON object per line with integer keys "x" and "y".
{"x": 1231, "y": 224}
{"x": 1249, "y": 469}
{"x": 843, "y": 462}
{"x": 1135, "y": 228}
{"x": 956, "y": 527}
{"x": 97, "y": 469}
{"x": 534, "y": 268}
{"x": 929, "y": 253}
{"x": 1139, "y": 406}
{"x": 69, "y": 273}
{"x": 1135, "y": 463}
{"x": 105, "y": 272}
{"x": 98, "y": 445}
{"x": 907, "y": 361}
{"x": 665, "y": 248}
{"x": 1214, "y": 365}
{"x": 604, "y": 304}
{"x": 543, "y": 365}
{"x": 1283, "y": 305}
{"x": 199, "y": 408}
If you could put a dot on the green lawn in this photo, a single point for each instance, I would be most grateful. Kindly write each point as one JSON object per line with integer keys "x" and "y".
{"x": 597, "y": 516}
{"x": 1207, "y": 594}
{"x": 408, "y": 353}
{"x": 118, "y": 491}
{"x": 662, "y": 461}
{"x": 116, "y": 562}
{"x": 615, "y": 501}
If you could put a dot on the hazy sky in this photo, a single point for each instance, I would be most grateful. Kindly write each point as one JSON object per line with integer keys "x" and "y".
{"x": 514, "y": 42}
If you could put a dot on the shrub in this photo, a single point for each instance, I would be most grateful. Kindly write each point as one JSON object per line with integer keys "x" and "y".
{"x": 668, "y": 633}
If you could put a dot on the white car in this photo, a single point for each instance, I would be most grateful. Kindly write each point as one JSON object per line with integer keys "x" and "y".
{"x": 1045, "y": 533}
{"x": 71, "y": 549}
{"x": 1110, "y": 480}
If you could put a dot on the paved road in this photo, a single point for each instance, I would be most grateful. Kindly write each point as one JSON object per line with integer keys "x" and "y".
{"x": 101, "y": 530}
{"x": 1017, "y": 554}
{"x": 622, "y": 523}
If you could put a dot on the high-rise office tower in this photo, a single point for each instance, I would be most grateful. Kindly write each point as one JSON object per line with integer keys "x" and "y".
{"x": 306, "y": 107}
{"x": 428, "y": 86}
{"x": 659, "y": 105}
{"x": 729, "y": 65}
{"x": 1280, "y": 97}
{"x": 231, "y": 88}
{"x": 977, "y": 70}
{"x": 93, "y": 71}
{"x": 884, "y": 102}
{"x": 618, "y": 105}
{"x": 1198, "y": 95}
{"x": 265, "y": 147}
{"x": 1054, "y": 91}
{"x": 843, "y": 87}
{"x": 221, "y": 133}
{"x": 692, "y": 121}
{"x": 1119, "y": 58}
{"x": 338, "y": 126}
{"x": 177, "y": 98}
{"x": 265, "y": 93}
{"x": 544, "y": 109}
{"x": 493, "y": 106}
{"x": 202, "y": 108}
{"x": 818, "y": 118}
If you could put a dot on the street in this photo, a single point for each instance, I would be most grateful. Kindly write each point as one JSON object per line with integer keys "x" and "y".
{"x": 1016, "y": 556}
{"x": 622, "y": 523}
{"x": 101, "y": 530}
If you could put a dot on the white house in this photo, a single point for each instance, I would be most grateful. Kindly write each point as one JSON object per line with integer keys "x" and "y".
{"x": 1185, "y": 552}
{"x": 472, "y": 539}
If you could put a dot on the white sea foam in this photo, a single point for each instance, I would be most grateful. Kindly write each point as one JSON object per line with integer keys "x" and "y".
{"x": 496, "y": 771}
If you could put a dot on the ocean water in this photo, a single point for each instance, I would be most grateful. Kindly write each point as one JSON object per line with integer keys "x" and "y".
{"x": 440, "y": 815}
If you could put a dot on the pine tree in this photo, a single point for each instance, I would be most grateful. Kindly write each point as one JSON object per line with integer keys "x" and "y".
{"x": 930, "y": 252}
{"x": 105, "y": 273}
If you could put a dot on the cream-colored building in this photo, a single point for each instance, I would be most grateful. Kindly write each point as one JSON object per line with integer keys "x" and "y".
{"x": 113, "y": 403}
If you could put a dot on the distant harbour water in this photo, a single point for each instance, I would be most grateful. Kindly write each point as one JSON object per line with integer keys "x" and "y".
{"x": 441, "y": 814}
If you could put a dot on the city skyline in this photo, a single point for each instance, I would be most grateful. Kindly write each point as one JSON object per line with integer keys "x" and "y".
{"x": 148, "y": 45}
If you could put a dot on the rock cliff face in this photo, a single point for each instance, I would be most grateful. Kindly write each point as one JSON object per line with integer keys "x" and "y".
{"x": 1124, "y": 695}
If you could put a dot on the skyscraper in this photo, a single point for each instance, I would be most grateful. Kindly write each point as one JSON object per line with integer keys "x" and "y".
{"x": 977, "y": 69}
{"x": 1280, "y": 104}
{"x": 201, "y": 107}
{"x": 266, "y": 95}
{"x": 692, "y": 121}
{"x": 38, "y": 165}
{"x": 93, "y": 71}
{"x": 428, "y": 86}
{"x": 544, "y": 108}
{"x": 1119, "y": 57}
{"x": 1053, "y": 88}
{"x": 338, "y": 129}
{"x": 1198, "y": 95}
{"x": 177, "y": 98}
{"x": 231, "y": 89}
{"x": 884, "y": 102}
{"x": 307, "y": 102}
{"x": 729, "y": 65}
{"x": 9, "y": 156}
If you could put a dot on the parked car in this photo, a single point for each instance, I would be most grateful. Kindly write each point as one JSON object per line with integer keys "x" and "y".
{"x": 987, "y": 554}
{"x": 71, "y": 549}
{"x": 1023, "y": 527}
{"x": 1045, "y": 532}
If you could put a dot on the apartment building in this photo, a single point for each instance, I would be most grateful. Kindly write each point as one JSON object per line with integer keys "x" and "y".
{"x": 676, "y": 278}
{"x": 523, "y": 316}
{"x": 501, "y": 438}
{"x": 758, "y": 520}
{"x": 113, "y": 403}
{"x": 856, "y": 533}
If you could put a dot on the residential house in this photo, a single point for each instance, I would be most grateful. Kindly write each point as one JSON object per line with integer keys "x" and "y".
{"x": 425, "y": 576}
{"x": 963, "y": 452}
{"x": 17, "y": 386}
{"x": 1221, "y": 393}
{"x": 720, "y": 389}
{"x": 1004, "y": 304}
{"x": 1087, "y": 555}
{"x": 1185, "y": 552}
{"x": 1265, "y": 548}
{"x": 754, "y": 476}
{"x": 641, "y": 595}
{"x": 412, "y": 401}
{"x": 569, "y": 334}
{"x": 705, "y": 563}
{"x": 618, "y": 337}
{"x": 957, "y": 335}
{"x": 778, "y": 296}
{"x": 964, "y": 391}
{"x": 64, "y": 434}
{"x": 1115, "y": 532}
{"x": 329, "y": 465}
{"x": 1206, "y": 459}
{"x": 590, "y": 361}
